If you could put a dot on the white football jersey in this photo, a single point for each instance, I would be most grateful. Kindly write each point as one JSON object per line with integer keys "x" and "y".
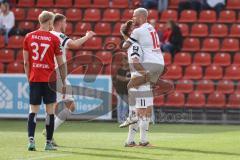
{"x": 148, "y": 39}
{"x": 134, "y": 51}
{"x": 63, "y": 41}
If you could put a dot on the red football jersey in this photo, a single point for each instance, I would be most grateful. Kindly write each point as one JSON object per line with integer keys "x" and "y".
{"x": 42, "y": 47}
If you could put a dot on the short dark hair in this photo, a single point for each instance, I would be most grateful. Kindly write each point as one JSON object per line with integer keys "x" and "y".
{"x": 58, "y": 17}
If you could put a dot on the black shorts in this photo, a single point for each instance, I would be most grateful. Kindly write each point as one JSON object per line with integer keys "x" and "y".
{"x": 45, "y": 91}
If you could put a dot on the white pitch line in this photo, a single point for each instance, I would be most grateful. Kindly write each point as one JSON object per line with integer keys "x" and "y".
{"x": 42, "y": 157}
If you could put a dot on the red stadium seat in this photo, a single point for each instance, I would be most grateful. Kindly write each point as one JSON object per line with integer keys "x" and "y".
{"x": 235, "y": 31}
{"x": 1, "y": 68}
{"x": 161, "y": 27}
{"x": 127, "y": 14}
{"x": 158, "y": 101}
{"x": 33, "y": 13}
{"x": 193, "y": 72}
{"x": 207, "y": 16}
{"x": 199, "y": 30}
{"x": 152, "y": 14}
{"x": 94, "y": 43}
{"x": 82, "y": 3}
{"x": 219, "y": 30}
{"x": 15, "y": 42}
{"x": 196, "y": 99}
{"x": 173, "y": 72}
{"x": 222, "y": 59}
{"x": 14, "y": 67}
{"x": 175, "y": 100}
{"x": 173, "y": 4}
{"x": 92, "y": 15}
{"x": 105, "y": 57}
{"x": 101, "y": 3}
{"x": 111, "y": 15}
{"x": 112, "y": 41}
{"x": 227, "y": 16}
{"x": 233, "y": 4}
{"x": 210, "y": 45}
{"x": 168, "y": 15}
{"x": 216, "y": 100}
{"x": 225, "y": 86}
{"x": 184, "y": 29}
{"x": 19, "y": 57}
{"x": 184, "y": 86}
{"x": 73, "y": 14}
{"x": 81, "y": 28}
{"x": 69, "y": 29}
{"x": 167, "y": 58}
{"x": 63, "y": 4}
{"x": 120, "y": 4}
{"x": 112, "y": 69}
{"x": 19, "y": 13}
{"x": 44, "y": 3}
{"x": 234, "y": 100}
{"x": 75, "y": 68}
{"x": 182, "y": 59}
{"x": 202, "y": 59}
{"x": 56, "y": 10}
{"x": 116, "y": 29}
{"x": 191, "y": 44}
{"x": 25, "y": 3}
{"x": 85, "y": 57}
{"x": 230, "y": 45}
{"x": 238, "y": 87}
{"x": 26, "y": 25}
{"x": 236, "y": 59}
{"x": 102, "y": 28}
{"x": 188, "y": 16}
{"x": 214, "y": 72}
{"x": 6, "y": 55}
{"x": 94, "y": 69}
{"x": 2, "y": 43}
{"x": 232, "y": 72}
{"x": 205, "y": 86}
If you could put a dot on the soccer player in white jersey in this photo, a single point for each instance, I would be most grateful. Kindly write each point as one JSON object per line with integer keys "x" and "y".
{"x": 141, "y": 97}
{"x": 59, "y": 28}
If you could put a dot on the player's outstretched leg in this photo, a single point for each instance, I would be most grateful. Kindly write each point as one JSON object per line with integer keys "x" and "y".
{"x": 31, "y": 131}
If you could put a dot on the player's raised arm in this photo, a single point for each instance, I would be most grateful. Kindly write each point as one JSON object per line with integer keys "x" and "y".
{"x": 76, "y": 44}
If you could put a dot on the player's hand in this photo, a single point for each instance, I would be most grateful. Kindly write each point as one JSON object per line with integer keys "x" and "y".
{"x": 90, "y": 34}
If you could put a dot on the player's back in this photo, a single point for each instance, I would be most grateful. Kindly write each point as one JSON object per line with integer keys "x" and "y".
{"x": 42, "y": 46}
{"x": 148, "y": 39}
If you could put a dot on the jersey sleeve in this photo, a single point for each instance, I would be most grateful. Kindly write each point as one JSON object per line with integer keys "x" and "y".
{"x": 136, "y": 52}
{"x": 134, "y": 36}
{"x": 25, "y": 45}
{"x": 64, "y": 40}
{"x": 58, "y": 50}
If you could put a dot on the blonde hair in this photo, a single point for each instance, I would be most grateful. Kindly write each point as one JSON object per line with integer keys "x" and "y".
{"x": 45, "y": 16}
{"x": 142, "y": 11}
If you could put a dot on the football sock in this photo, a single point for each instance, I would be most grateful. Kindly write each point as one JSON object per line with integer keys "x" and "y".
{"x": 49, "y": 126}
{"x": 61, "y": 117}
{"x": 143, "y": 125}
{"x": 132, "y": 132}
{"x": 31, "y": 125}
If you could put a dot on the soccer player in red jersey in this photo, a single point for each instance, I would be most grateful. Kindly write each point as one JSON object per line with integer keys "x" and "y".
{"x": 39, "y": 49}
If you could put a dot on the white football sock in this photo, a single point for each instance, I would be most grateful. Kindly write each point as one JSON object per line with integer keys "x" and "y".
{"x": 132, "y": 132}
{"x": 57, "y": 123}
{"x": 143, "y": 126}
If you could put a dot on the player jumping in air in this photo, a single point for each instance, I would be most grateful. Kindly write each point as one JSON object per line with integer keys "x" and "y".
{"x": 39, "y": 50}
{"x": 59, "y": 28}
{"x": 147, "y": 60}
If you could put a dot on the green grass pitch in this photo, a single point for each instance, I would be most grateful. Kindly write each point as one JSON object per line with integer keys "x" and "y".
{"x": 104, "y": 141}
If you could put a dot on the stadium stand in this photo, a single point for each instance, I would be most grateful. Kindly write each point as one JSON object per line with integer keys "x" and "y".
{"x": 206, "y": 69}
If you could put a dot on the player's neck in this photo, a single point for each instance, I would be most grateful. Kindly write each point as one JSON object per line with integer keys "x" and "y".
{"x": 44, "y": 28}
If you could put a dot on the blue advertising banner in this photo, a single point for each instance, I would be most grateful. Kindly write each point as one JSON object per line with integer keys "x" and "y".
{"x": 14, "y": 97}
